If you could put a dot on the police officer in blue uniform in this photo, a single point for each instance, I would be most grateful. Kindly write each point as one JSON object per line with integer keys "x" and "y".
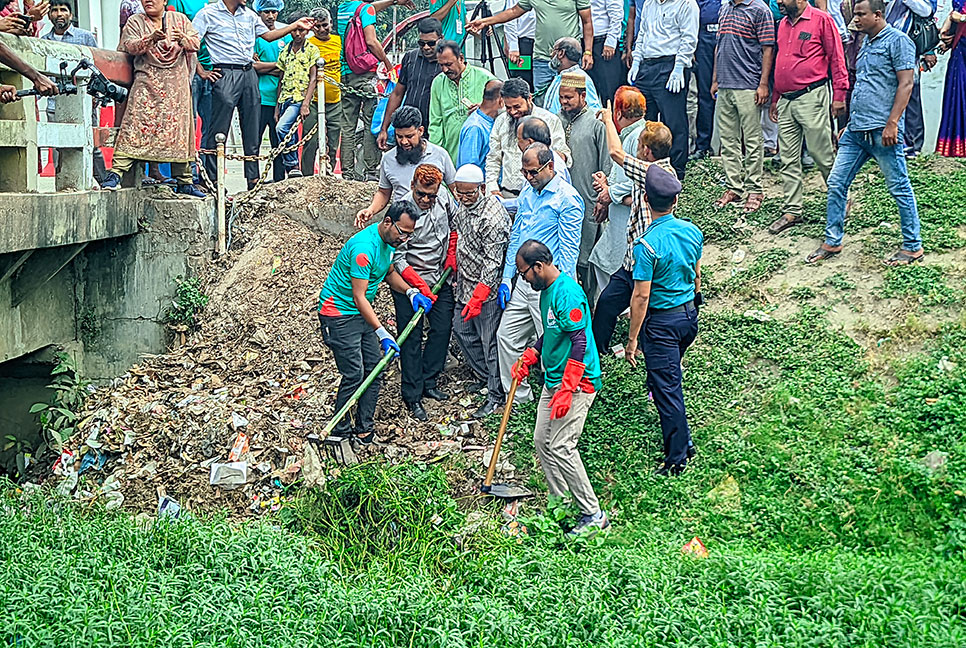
{"x": 665, "y": 301}
{"x": 703, "y": 69}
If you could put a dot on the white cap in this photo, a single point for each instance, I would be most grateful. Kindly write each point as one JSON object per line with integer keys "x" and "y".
{"x": 469, "y": 173}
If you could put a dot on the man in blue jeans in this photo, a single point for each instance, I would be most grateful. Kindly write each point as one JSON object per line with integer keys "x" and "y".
{"x": 884, "y": 77}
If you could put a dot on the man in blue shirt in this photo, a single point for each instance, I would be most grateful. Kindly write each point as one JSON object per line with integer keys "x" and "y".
{"x": 474, "y": 143}
{"x": 267, "y": 69}
{"x": 550, "y": 211}
{"x": 667, "y": 294}
{"x": 703, "y": 69}
{"x": 884, "y": 77}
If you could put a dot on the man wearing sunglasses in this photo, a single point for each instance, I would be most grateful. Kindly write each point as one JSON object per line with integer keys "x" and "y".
{"x": 350, "y": 326}
{"x": 416, "y": 74}
{"x": 421, "y": 260}
{"x": 549, "y": 211}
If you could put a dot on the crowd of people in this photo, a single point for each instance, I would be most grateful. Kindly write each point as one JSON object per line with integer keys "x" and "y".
{"x": 522, "y": 216}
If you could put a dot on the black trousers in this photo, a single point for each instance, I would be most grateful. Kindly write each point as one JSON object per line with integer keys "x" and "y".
{"x": 666, "y": 338}
{"x": 267, "y": 120}
{"x": 606, "y": 75}
{"x": 235, "y": 89}
{"x": 356, "y": 349}
{"x": 421, "y": 364}
{"x": 526, "y": 49}
{"x": 613, "y": 301}
{"x": 669, "y": 107}
{"x": 703, "y": 69}
{"x": 915, "y": 135}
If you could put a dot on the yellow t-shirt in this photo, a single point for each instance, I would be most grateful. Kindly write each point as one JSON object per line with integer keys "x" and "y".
{"x": 331, "y": 51}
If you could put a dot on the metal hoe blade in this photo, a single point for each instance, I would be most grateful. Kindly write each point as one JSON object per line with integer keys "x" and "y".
{"x": 505, "y": 491}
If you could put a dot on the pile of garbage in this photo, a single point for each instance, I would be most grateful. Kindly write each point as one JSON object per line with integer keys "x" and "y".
{"x": 225, "y": 421}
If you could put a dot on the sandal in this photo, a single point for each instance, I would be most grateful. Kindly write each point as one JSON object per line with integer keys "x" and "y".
{"x": 367, "y": 439}
{"x": 729, "y": 196}
{"x": 753, "y": 202}
{"x": 902, "y": 258}
{"x": 783, "y": 223}
{"x": 821, "y": 254}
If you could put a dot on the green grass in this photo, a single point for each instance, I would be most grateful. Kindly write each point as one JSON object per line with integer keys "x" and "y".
{"x": 921, "y": 283}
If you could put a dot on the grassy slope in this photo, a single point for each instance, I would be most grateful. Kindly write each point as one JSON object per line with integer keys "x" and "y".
{"x": 824, "y": 526}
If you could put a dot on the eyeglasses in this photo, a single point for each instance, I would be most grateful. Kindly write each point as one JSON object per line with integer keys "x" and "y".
{"x": 532, "y": 173}
{"x": 525, "y": 271}
{"x": 403, "y": 235}
{"x": 468, "y": 194}
{"x": 427, "y": 43}
{"x": 425, "y": 195}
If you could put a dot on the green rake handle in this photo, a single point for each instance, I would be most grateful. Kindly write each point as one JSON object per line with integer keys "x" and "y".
{"x": 386, "y": 359}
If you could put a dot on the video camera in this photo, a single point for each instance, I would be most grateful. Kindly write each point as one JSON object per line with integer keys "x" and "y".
{"x": 99, "y": 86}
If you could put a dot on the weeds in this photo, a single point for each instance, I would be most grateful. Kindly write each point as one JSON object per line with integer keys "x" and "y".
{"x": 924, "y": 283}
{"x": 59, "y": 417}
{"x": 188, "y": 302}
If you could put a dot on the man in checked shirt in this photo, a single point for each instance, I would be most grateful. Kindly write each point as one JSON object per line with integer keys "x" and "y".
{"x": 483, "y": 231}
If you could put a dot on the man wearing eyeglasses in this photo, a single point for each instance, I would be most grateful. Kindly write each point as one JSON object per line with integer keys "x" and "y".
{"x": 421, "y": 260}
{"x": 550, "y": 211}
{"x": 416, "y": 74}
{"x": 350, "y": 326}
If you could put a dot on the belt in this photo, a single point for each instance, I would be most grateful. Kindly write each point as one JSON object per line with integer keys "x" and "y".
{"x": 676, "y": 309}
{"x": 515, "y": 192}
{"x": 795, "y": 94}
{"x": 231, "y": 66}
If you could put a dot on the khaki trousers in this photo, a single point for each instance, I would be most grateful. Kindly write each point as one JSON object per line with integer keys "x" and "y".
{"x": 808, "y": 117}
{"x": 739, "y": 122}
{"x": 556, "y": 445}
{"x": 520, "y": 326}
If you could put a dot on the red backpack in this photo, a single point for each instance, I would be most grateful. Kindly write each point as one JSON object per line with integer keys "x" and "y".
{"x": 357, "y": 55}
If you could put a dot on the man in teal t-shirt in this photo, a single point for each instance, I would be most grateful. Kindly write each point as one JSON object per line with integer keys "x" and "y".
{"x": 350, "y": 326}
{"x": 452, "y": 13}
{"x": 267, "y": 54}
{"x": 571, "y": 379}
{"x": 665, "y": 301}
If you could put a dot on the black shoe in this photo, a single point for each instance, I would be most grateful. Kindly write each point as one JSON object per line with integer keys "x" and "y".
{"x": 366, "y": 439}
{"x": 417, "y": 411}
{"x": 435, "y": 394}
{"x": 485, "y": 410}
{"x": 476, "y": 386}
{"x": 700, "y": 155}
{"x": 672, "y": 470}
{"x": 692, "y": 450}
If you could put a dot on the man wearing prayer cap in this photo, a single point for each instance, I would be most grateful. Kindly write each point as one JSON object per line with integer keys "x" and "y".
{"x": 587, "y": 140}
{"x": 483, "y": 231}
{"x": 667, "y": 295}
{"x": 563, "y": 50}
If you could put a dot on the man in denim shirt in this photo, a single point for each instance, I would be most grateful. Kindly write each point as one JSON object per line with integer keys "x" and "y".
{"x": 885, "y": 69}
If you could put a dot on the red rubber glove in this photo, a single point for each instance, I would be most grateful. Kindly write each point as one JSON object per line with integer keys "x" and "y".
{"x": 562, "y": 399}
{"x": 451, "y": 253}
{"x": 521, "y": 369}
{"x": 475, "y": 305}
{"x": 411, "y": 277}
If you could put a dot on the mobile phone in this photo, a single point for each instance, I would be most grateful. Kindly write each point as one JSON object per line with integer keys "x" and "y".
{"x": 164, "y": 21}
{"x": 25, "y": 19}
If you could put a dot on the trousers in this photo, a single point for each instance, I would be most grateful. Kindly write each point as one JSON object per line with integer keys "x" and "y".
{"x": 267, "y": 120}
{"x": 180, "y": 171}
{"x": 477, "y": 340}
{"x": 613, "y": 301}
{"x": 421, "y": 363}
{"x": 670, "y": 107}
{"x": 555, "y": 442}
{"x": 667, "y": 337}
{"x": 521, "y": 325}
{"x": 703, "y": 68}
{"x": 356, "y": 106}
{"x": 806, "y": 117}
{"x": 607, "y": 75}
{"x": 855, "y": 149}
{"x": 235, "y": 89}
{"x": 288, "y": 114}
{"x": 739, "y": 127}
{"x": 332, "y": 135}
{"x": 356, "y": 349}
{"x": 915, "y": 124}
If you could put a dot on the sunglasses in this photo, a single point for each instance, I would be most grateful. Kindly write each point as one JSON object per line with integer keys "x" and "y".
{"x": 403, "y": 235}
{"x": 532, "y": 173}
{"x": 425, "y": 195}
{"x": 427, "y": 43}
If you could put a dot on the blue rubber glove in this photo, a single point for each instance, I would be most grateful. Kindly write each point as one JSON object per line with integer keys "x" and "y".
{"x": 503, "y": 295}
{"x": 387, "y": 342}
{"x": 419, "y": 300}
{"x": 675, "y": 82}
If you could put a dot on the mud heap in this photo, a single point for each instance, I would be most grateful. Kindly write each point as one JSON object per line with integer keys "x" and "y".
{"x": 250, "y": 384}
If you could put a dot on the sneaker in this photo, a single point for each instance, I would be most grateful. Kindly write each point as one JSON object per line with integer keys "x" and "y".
{"x": 485, "y": 410}
{"x": 597, "y": 521}
{"x": 672, "y": 470}
{"x": 295, "y": 173}
{"x": 808, "y": 162}
{"x": 190, "y": 190}
{"x": 111, "y": 181}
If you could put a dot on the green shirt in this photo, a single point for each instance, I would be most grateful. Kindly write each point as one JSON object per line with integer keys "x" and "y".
{"x": 364, "y": 256}
{"x": 190, "y": 8}
{"x": 555, "y": 19}
{"x": 297, "y": 67}
{"x": 454, "y": 23}
{"x": 268, "y": 52}
{"x": 666, "y": 255}
{"x": 447, "y": 110}
{"x": 564, "y": 309}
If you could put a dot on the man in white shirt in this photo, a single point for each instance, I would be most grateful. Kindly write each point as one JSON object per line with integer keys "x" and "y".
{"x": 608, "y": 71}
{"x": 661, "y": 68}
